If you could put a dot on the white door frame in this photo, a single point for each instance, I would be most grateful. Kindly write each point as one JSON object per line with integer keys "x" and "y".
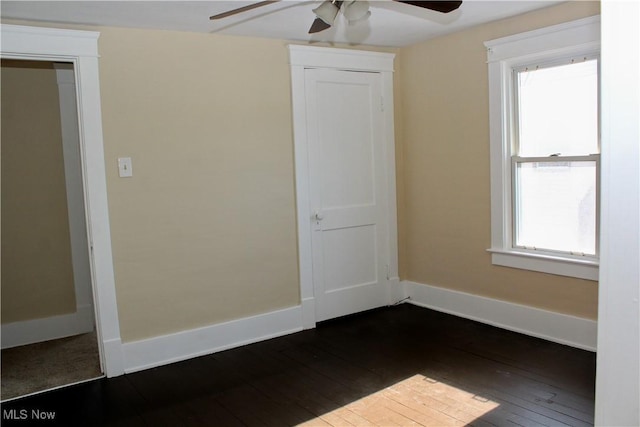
{"x": 81, "y": 49}
{"x": 302, "y": 57}
{"x": 75, "y": 196}
{"x": 618, "y": 357}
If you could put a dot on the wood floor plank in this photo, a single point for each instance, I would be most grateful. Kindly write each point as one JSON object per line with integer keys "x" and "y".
{"x": 375, "y": 409}
{"x": 239, "y": 402}
{"x": 513, "y": 404}
{"x": 403, "y": 404}
{"x": 495, "y": 386}
{"x": 207, "y": 411}
{"x": 466, "y": 365}
{"x": 399, "y": 366}
{"x": 325, "y": 396}
{"x": 416, "y": 393}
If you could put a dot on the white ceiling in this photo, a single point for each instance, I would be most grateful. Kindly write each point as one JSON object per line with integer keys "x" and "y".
{"x": 390, "y": 24}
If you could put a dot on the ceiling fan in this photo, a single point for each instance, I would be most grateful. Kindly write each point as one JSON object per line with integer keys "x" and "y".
{"x": 353, "y": 10}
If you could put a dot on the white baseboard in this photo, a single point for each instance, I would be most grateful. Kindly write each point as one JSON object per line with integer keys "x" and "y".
{"x": 165, "y": 349}
{"x": 49, "y": 328}
{"x": 396, "y": 290}
{"x": 111, "y": 359}
{"x": 308, "y": 313}
{"x": 561, "y": 328}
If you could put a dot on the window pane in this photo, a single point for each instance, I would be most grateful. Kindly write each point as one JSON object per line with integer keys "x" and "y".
{"x": 556, "y": 206}
{"x": 558, "y": 110}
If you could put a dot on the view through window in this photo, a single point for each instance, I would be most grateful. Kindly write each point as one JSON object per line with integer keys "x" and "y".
{"x": 556, "y": 162}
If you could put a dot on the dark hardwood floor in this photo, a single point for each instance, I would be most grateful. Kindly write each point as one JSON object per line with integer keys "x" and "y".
{"x": 396, "y": 366}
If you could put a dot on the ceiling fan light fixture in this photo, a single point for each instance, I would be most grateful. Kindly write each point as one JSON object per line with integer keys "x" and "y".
{"x": 356, "y": 10}
{"x": 327, "y": 11}
{"x": 353, "y": 10}
{"x": 363, "y": 18}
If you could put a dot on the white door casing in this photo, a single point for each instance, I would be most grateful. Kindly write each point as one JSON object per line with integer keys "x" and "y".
{"x": 345, "y": 173}
{"x": 75, "y": 194}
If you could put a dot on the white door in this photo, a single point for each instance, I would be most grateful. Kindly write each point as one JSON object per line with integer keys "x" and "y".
{"x": 348, "y": 197}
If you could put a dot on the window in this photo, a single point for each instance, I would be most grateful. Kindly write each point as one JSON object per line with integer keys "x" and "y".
{"x": 555, "y": 160}
{"x": 544, "y": 106}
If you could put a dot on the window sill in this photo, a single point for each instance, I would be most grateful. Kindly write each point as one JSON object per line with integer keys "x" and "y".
{"x": 544, "y": 263}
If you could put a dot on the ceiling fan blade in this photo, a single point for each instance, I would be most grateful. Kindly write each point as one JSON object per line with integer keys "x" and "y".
{"x": 318, "y": 25}
{"x": 438, "y": 6}
{"x": 242, "y": 9}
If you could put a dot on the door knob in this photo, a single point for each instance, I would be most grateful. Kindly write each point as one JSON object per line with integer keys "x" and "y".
{"x": 319, "y": 216}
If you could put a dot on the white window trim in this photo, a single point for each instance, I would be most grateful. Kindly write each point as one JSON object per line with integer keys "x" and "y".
{"x": 576, "y": 37}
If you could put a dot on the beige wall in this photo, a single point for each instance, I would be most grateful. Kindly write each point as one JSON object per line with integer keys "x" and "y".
{"x": 445, "y": 174}
{"x": 205, "y": 229}
{"x": 37, "y": 277}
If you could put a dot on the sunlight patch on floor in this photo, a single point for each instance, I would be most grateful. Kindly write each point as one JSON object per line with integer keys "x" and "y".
{"x": 418, "y": 400}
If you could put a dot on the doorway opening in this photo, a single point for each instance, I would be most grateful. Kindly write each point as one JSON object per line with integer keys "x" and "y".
{"x": 48, "y": 320}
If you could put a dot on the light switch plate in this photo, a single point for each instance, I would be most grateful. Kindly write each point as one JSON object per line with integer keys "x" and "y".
{"x": 124, "y": 167}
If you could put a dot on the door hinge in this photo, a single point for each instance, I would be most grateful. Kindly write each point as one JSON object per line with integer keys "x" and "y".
{"x": 388, "y": 273}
